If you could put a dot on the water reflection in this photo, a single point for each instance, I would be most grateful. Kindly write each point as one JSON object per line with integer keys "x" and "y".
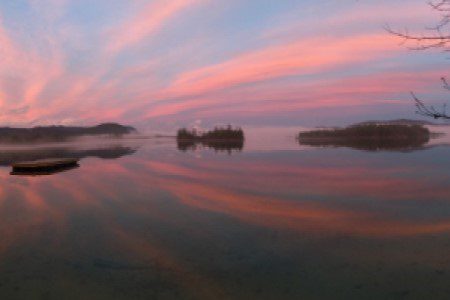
{"x": 229, "y": 146}
{"x": 402, "y": 145}
{"x": 10, "y": 156}
{"x": 326, "y": 224}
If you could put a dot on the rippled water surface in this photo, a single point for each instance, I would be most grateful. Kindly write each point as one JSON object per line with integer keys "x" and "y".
{"x": 145, "y": 220}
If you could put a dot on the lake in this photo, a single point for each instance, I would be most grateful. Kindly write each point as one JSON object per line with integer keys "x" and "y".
{"x": 142, "y": 219}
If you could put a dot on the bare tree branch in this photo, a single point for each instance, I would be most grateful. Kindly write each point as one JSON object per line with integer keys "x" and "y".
{"x": 436, "y": 37}
{"x": 430, "y": 111}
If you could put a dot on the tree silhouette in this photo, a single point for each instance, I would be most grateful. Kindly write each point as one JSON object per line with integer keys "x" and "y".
{"x": 435, "y": 37}
{"x": 220, "y": 139}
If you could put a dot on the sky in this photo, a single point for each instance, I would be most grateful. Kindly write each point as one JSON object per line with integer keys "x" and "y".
{"x": 162, "y": 64}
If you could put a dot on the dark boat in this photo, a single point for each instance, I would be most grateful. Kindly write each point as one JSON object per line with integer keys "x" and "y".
{"x": 44, "y": 166}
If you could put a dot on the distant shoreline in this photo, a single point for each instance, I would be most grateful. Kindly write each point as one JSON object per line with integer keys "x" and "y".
{"x": 10, "y": 135}
{"x": 369, "y": 137}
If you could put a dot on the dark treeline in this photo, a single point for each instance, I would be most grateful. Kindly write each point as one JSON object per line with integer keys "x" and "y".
{"x": 219, "y": 133}
{"x": 369, "y": 137}
{"x": 59, "y": 133}
{"x": 227, "y": 139}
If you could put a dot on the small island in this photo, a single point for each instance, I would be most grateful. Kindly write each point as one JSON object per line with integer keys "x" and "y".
{"x": 60, "y": 133}
{"x": 220, "y": 139}
{"x": 371, "y": 137}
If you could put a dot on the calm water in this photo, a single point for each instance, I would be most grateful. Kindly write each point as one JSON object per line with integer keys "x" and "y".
{"x": 148, "y": 221}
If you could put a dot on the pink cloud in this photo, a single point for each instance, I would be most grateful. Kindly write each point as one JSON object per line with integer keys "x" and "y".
{"x": 268, "y": 98}
{"x": 267, "y": 75}
{"x": 298, "y": 58}
{"x": 147, "y": 22}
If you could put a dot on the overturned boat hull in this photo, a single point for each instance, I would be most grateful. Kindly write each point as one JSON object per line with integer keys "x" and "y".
{"x": 44, "y": 167}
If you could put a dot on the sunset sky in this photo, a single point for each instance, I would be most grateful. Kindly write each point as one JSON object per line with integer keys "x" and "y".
{"x": 161, "y": 64}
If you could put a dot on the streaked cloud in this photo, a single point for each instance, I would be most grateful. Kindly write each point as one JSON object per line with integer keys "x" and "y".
{"x": 153, "y": 62}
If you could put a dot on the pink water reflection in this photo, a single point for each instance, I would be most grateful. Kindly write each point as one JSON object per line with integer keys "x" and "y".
{"x": 157, "y": 210}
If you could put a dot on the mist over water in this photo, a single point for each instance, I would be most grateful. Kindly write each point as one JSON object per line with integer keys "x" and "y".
{"x": 276, "y": 220}
{"x": 443, "y": 139}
